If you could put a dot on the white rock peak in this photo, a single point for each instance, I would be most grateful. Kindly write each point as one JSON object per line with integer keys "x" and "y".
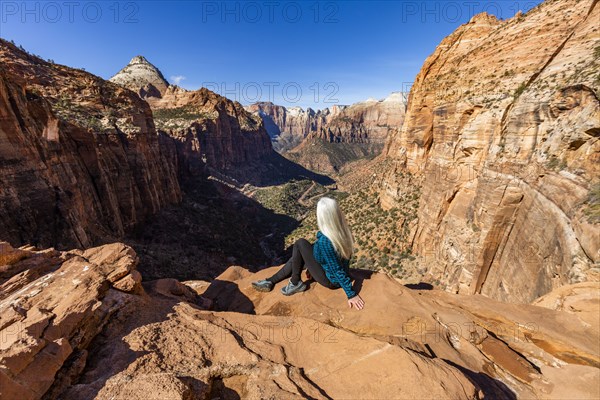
{"x": 140, "y": 73}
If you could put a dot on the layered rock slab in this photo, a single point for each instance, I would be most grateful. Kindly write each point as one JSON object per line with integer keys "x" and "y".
{"x": 71, "y": 334}
{"x": 52, "y": 309}
{"x": 505, "y": 349}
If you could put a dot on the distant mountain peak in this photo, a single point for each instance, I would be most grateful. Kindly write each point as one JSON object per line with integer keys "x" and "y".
{"x": 140, "y": 60}
{"x": 141, "y": 76}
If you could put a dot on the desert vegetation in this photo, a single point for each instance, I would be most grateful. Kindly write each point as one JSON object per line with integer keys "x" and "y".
{"x": 169, "y": 118}
{"x": 381, "y": 235}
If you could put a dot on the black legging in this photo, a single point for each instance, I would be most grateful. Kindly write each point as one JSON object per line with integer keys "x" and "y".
{"x": 302, "y": 256}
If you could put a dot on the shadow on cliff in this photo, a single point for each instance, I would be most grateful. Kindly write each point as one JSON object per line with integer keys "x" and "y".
{"x": 112, "y": 352}
{"x": 491, "y": 388}
{"x": 215, "y": 226}
{"x": 275, "y": 169}
{"x": 419, "y": 286}
{"x": 226, "y": 296}
{"x": 359, "y": 276}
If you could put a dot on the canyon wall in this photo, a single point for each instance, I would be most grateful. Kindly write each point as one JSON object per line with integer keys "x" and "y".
{"x": 502, "y": 130}
{"x": 356, "y": 132}
{"x": 326, "y": 140}
{"x": 210, "y": 129}
{"x": 80, "y": 159}
{"x": 364, "y": 122}
{"x": 288, "y": 127}
{"x": 84, "y": 160}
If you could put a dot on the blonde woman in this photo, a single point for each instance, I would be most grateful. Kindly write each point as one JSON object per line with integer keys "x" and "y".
{"x": 327, "y": 261}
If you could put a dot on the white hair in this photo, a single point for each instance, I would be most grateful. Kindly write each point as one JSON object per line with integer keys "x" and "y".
{"x": 332, "y": 223}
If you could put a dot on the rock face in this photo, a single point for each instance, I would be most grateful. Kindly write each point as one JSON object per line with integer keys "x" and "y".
{"x": 326, "y": 140}
{"x": 52, "y": 305}
{"x": 80, "y": 159}
{"x": 287, "y": 127}
{"x": 505, "y": 140}
{"x": 142, "y": 77}
{"x": 356, "y": 132}
{"x": 363, "y": 122}
{"x": 366, "y": 122}
{"x": 74, "y": 326}
{"x": 210, "y": 129}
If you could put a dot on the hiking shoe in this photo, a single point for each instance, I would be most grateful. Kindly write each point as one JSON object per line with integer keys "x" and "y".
{"x": 263, "y": 286}
{"x": 290, "y": 288}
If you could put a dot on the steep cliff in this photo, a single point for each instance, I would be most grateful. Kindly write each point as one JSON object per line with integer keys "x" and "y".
{"x": 502, "y": 130}
{"x": 80, "y": 159}
{"x": 287, "y": 127}
{"x": 363, "y": 122}
{"x": 366, "y": 122}
{"x": 355, "y": 132}
{"x": 210, "y": 129}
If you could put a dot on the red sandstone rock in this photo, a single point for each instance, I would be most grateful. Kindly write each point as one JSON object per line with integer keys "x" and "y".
{"x": 405, "y": 343}
{"x": 50, "y": 312}
{"x": 80, "y": 157}
{"x": 210, "y": 129}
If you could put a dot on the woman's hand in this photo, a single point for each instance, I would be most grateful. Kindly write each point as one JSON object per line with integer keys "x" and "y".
{"x": 357, "y": 302}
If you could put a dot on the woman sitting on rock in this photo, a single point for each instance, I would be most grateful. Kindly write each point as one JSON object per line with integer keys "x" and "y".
{"x": 327, "y": 261}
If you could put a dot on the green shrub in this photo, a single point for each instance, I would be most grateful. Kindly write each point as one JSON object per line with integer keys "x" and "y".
{"x": 520, "y": 89}
{"x": 597, "y": 52}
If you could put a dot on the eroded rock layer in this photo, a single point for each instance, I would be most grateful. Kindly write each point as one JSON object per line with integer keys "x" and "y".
{"x": 288, "y": 126}
{"x": 366, "y": 122}
{"x": 295, "y": 130}
{"x": 80, "y": 158}
{"x": 80, "y": 325}
{"x": 503, "y": 128}
{"x": 210, "y": 129}
{"x": 142, "y": 77}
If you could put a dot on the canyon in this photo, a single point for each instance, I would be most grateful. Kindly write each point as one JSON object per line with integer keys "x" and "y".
{"x": 326, "y": 140}
{"x": 208, "y": 129}
{"x": 135, "y": 215}
{"x": 81, "y": 159}
{"x": 287, "y": 127}
{"x": 86, "y": 161}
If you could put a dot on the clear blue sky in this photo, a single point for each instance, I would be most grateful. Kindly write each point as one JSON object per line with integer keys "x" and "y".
{"x": 258, "y": 50}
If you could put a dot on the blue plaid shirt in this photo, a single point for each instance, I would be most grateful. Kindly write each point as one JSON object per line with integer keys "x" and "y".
{"x": 337, "y": 269}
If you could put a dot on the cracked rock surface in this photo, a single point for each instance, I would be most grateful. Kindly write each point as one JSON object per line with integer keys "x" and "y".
{"x": 80, "y": 325}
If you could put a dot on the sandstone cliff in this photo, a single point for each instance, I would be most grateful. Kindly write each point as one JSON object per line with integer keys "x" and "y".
{"x": 366, "y": 122}
{"x": 363, "y": 122}
{"x": 287, "y": 127}
{"x": 80, "y": 158}
{"x": 79, "y": 325}
{"x": 210, "y": 129}
{"x": 502, "y": 129}
{"x": 355, "y": 132}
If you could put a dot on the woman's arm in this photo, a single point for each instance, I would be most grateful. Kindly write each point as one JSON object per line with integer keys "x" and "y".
{"x": 340, "y": 274}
